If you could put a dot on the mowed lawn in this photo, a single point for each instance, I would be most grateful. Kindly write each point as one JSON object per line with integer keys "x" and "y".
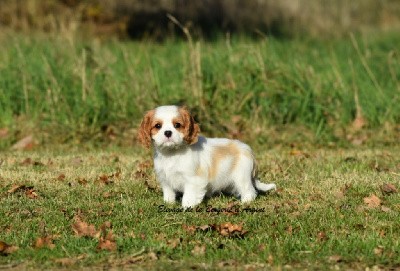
{"x": 103, "y": 208}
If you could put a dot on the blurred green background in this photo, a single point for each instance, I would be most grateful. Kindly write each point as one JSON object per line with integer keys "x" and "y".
{"x": 133, "y": 18}
{"x": 269, "y": 72}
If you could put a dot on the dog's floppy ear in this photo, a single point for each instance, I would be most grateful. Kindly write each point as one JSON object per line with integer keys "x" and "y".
{"x": 192, "y": 129}
{"x": 144, "y": 133}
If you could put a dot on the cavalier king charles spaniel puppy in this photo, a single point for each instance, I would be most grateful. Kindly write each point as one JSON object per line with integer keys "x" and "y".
{"x": 197, "y": 166}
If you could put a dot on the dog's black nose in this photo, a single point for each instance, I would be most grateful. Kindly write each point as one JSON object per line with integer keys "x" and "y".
{"x": 168, "y": 133}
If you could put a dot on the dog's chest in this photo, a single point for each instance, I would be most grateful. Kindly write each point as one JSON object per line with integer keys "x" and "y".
{"x": 172, "y": 169}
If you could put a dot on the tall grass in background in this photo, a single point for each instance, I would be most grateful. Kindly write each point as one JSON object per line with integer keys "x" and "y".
{"x": 61, "y": 89}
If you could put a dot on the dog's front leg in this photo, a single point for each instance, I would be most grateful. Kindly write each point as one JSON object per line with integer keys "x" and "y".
{"x": 194, "y": 192}
{"x": 168, "y": 193}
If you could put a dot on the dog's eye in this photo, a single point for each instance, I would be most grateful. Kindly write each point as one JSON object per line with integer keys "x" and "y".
{"x": 177, "y": 125}
{"x": 158, "y": 126}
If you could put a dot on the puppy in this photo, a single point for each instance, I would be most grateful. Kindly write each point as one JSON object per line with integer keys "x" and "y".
{"x": 194, "y": 165}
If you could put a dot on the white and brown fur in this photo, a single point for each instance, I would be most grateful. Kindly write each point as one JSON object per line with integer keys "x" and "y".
{"x": 194, "y": 165}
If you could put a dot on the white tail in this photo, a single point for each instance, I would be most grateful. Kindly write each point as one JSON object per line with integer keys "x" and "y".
{"x": 264, "y": 187}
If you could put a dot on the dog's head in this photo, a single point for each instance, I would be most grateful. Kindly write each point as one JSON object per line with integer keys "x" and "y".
{"x": 168, "y": 127}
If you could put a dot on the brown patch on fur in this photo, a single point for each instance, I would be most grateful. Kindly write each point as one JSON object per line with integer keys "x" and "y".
{"x": 221, "y": 152}
{"x": 189, "y": 127}
{"x": 200, "y": 172}
{"x": 145, "y": 129}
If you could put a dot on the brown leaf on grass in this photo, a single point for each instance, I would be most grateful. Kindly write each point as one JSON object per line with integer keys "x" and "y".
{"x": 321, "y": 236}
{"x": 31, "y": 193}
{"x": 16, "y": 187}
{"x": 83, "y": 229}
{"x": 107, "y": 195}
{"x": 173, "y": 243}
{"x": 141, "y": 169}
{"x": 6, "y": 249}
{"x": 3, "y": 132}
{"x": 45, "y": 241}
{"x": 205, "y": 227}
{"x": 230, "y": 230}
{"x": 226, "y": 229}
{"x": 61, "y": 177}
{"x": 29, "y": 190}
{"x": 109, "y": 179}
{"x": 189, "y": 228}
{"x": 232, "y": 208}
{"x": 299, "y": 153}
{"x": 199, "y": 250}
{"x": 25, "y": 143}
{"x": 335, "y": 258}
{"x": 388, "y": 188}
{"x": 105, "y": 179}
{"x": 29, "y": 162}
{"x": 107, "y": 242}
{"x": 82, "y": 181}
{"x": 107, "y": 239}
{"x": 359, "y": 122}
{"x": 372, "y": 201}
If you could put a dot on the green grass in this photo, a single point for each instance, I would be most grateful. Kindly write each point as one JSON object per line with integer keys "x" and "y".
{"x": 318, "y": 212}
{"x": 64, "y": 90}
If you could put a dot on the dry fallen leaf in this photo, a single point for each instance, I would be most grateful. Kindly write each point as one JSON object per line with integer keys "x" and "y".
{"x": 141, "y": 169}
{"x": 299, "y": 153}
{"x": 173, "y": 243}
{"x": 388, "y": 188}
{"x": 372, "y": 201}
{"x": 335, "y": 258}
{"x": 107, "y": 242}
{"x": 29, "y": 162}
{"x": 16, "y": 187}
{"x": 359, "y": 122}
{"x": 46, "y": 241}
{"x": 82, "y": 181}
{"x": 31, "y": 193}
{"x": 6, "y": 249}
{"x": 3, "y": 132}
{"x": 230, "y": 230}
{"x": 199, "y": 250}
{"x": 321, "y": 236}
{"x": 61, "y": 177}
{"x": 82, "y": 229}
{"x": 29, "y": 190}
{"x": 105, "y": 179}
{"x": 189, "y": 228}
{"x": 107, "y": 239}
{"x": 25, "y": 143}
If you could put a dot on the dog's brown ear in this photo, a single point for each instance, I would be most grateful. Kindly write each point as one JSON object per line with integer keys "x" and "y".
{"x": 192, "y": 129}
{"x": 144, "y": 133}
